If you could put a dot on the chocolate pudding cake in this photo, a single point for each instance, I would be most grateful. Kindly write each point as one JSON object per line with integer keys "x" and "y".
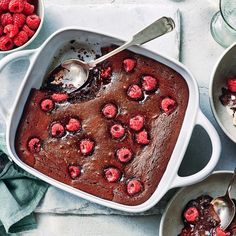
{"x": 200, "y": 219}
{"x": 114, "y": 137}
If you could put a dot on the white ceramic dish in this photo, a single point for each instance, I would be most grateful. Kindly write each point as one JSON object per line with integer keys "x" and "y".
{"x": 40, "y": 13}
{"x": 215, "y": 185}
{"x": 225, "y": 66}
{"x": 43, "y": 59}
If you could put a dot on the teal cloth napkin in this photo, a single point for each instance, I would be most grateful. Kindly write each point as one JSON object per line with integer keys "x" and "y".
{"x": 20, "y": 193}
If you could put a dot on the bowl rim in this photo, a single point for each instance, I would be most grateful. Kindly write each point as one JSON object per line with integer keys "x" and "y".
{"x": 178, "y": 193}
{"x": 210, "y": 93}
{"x": 41, "y": 2}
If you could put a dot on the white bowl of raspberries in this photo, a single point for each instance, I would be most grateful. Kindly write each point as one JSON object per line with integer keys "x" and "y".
{"x": 21, "y": 21}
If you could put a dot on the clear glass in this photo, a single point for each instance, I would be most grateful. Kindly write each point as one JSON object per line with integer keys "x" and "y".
{"x": 223, "y": 23}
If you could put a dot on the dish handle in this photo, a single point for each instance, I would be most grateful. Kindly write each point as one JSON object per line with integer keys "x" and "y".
{"x": 201, "y": 120}
{"x": 4, "y": 111}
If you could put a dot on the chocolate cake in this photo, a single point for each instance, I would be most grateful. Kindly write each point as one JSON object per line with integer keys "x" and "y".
{"x": 200, "y": 218}
{"x": 114, "y": 137}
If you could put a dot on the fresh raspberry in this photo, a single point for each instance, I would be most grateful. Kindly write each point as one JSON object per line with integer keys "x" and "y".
{"x": 6, "y": 19}
{"x": 28, "y": 9}
{"x": 124, "y": 155}
{"x": 47, "y": 105}
{"x": 73, "y": 125}
{"x": 19, "y": 19}
{"x": 11, "y": 30}
{"x": 86, "y": 146}
{"x": 57, "y": 130}
{"x": 112, "y": 174}
{"x": 4, "y": 4}
{"x": 34, "y": 145}
{"x": 231, "y": 83}
{"x": 16, "y": 6}
{"x": 106, "y": 72}
{"x": 142, "y": 138}
{"x": 6, "y": 43}
{"x": 191, "y": 214}
{"x": 74, "y": 171}
{"x": 135, "y": 92}
{"x": 109, "y": 110}
{"x": 221, "y": 232}
{"x": 168, "y": 105}
{"x": 59, "y": 97}
{"x": 28, "y": 31}
{"x": 117, "y": 131}
{"x": 21, "y": 38}
{"x": 134, "y": 186}
{"x": 1, "y": 30}
{"x": 33, "y": 21}
{"x": 149, "y": 83}
{"x": 136, "y": 123}
{"x": 129, "y": 64}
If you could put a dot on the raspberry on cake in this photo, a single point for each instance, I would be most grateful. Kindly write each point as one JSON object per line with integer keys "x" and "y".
{"x": 136, "y": 123}
{"x": 47, "y": 105}
{"x": 74, "y": 171}
{"x": 142, "y": 137}
{"x": 117, "y": 131}
{"x": 135, "y": 92}
{"x": 168, "y": 105}
{"x": 57, "y": 130}
{"x": 86, "y": 146}
{"x": 73, "y": 125}
{"x": 231, "y": 84}
{"x": 59, "y": 97}
{"x": 106, "y": 72}
{"x": 129, "y": 64}
{"x": 191, "y": 214}
{"x": 124, "y": 155}
{"x": 112, "y": 174}
{"x": 34, "y": 145}
{"x": 149, "y": 83}
{"x": 134, "y": 186}
{"x": 109, "y": 110}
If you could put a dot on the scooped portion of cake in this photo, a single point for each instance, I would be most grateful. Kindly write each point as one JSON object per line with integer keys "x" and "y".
{"x": 114, "y": 137}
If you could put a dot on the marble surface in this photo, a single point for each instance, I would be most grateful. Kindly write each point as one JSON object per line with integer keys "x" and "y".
{"x": 199, "y": 52}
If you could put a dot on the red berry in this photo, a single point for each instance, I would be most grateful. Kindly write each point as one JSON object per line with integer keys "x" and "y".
{"x": 109, "y": 110}
{"x": 74, "y": 171}
{"x": 4, "y": 4}
{"x": 28, "y": 9}
{"x": 106, "y": 72}
{"x": 129, "y": 64}
{"x": 1, "y": 30}
{"x": 221, "y": 232}
{"x": 86, "y": 146}
{"x": 117, "y": 131}
{"x": 16, "y": 6}
{"x": 112, "y": 174}
{"x": 191, "y": 214}
{"x": 231, "y": 83}
{"x": 33, "y": 21}
{"x": 149, "y": 83}
{"x": 142, "y": 138}
{"x": 6, "y": 19}
{"x": 73, "y": 125}
{"x": 6, "y": 43}
{"x": 34, "y": 145}
{"x": 19, "y": 19}
{"x": 11, "y": 30}
{"x": 47, "y": 105}
{"x": 136, "y": 123}
{"x": 21, "y": 38}
{"x": 59, "y": 97}
{"x": 135, "y": 92}
{"x": 57, "y": 130}
{"x": 134, "y": 186}
{"x": 28, "y": 31}
{"x": 124, "y": 155}
{"x": 168, "y": 105}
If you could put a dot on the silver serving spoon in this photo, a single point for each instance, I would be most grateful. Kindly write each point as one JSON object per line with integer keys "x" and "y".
{"x": 224, "y": 206}
{"x": 73, "y": 73}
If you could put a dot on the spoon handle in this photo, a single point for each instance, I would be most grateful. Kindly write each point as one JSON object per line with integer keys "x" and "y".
{"x": 156, "y": 29}
{"x": 231, "y": 183}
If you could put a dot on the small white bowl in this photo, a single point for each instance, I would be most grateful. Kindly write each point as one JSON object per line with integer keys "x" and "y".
{"x": 40, "y": 13}
{"x": 225, "y": 66}
{"x": 215, "y": 185}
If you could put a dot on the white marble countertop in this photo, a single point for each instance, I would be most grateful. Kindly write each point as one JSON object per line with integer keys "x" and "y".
{"x": 199, "y": 52}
